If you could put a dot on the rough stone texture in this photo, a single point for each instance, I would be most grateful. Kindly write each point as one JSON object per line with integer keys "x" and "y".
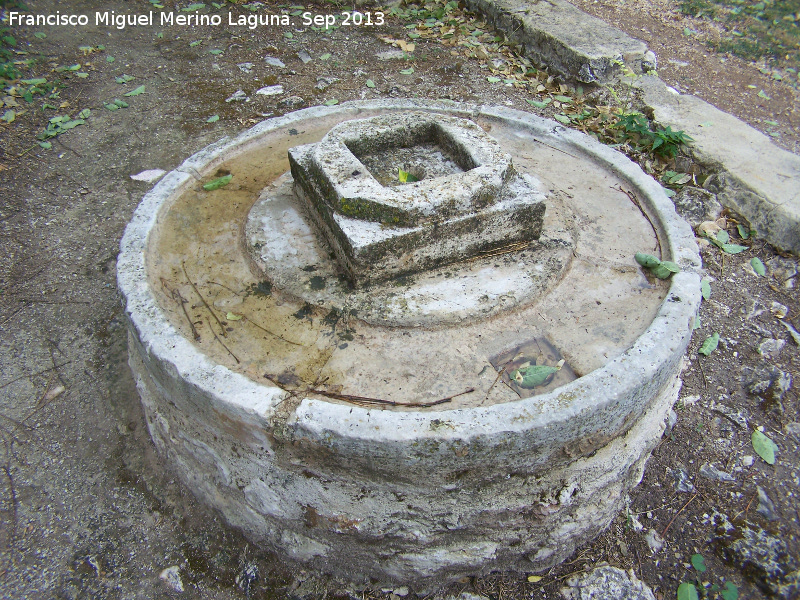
{"x": 696, "y": 205}
{"x": 567, "y": 40}
{"x": 763, "y": 558}
{"x": 409, "y": 495}
{"x": 476, "y": 202}
{"x": 605, "y": 583}
{"x": 753, "y": 177}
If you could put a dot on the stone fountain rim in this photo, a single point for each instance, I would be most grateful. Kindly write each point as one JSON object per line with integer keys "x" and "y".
{"x": 661, "y": 345}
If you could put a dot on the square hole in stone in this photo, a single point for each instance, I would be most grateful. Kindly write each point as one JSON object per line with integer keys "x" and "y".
{"x": 424, "y": 152}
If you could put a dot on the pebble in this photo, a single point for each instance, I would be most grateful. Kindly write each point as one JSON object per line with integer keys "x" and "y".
{"x": 292, "y": 102}
{"x": 465, "y": 596}
{"x": 274, "y": 62}
{"x": 737, "y": 416}
{"x": 770, "y": 347}
{"x": 238, "y": 96}
{"x": 390, "y": 54}
{"x": 747, "y": 461}
{"x": 401, "y": 591}
{"x": 270, "y": 90}
{"x": 783, "y": 269}
{"x": 172, "y": 577}
{"x": 709, "y": 471}
{"x": 304, "y": 56}
{"x": 681, "y": 479}
{"x": 245, "y": 67}
{"x": 779, "y": 310}
{"x": 323, "y": 83}
{"x": 793, "y": 332}
{"x": 654, "y": 541}
{"x": 149, "y": 176}
{"x": 765, "y": 506}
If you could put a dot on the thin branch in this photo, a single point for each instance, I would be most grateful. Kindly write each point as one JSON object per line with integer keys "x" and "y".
{"x": 635, "y": 200}
{"x": 43, "y": 371}
{"x": 272, "y": 333}
{"x": 177, "y": 297}
{"x": 221, "y": 342}
{"x": 203, "y": 300}
{"x": 676, "y": 515}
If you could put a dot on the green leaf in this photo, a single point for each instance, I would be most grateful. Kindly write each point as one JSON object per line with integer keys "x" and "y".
{"x": 82, "y": 75}
{"x": 533, "y": 376}
{"x": 697, "y": 323}
{"x": 761, "y": 94}
{"x": 764, "y": 446}
{"x": 758, "y": 266}
{"x": 35, "y": 81}
{"x": 195, "y": 6}
{"x": 46, "y": 145}
{"x": 215, "y": 51}
{"x": 195, "y": 43}
{"x": 699, "y": 563}
{"x": 744, "y": 232}
{"x": 40, "y": 35}
{"x": 212, "y": 119}
{"x": 538, "y": 104}
{"x": 493, "y": 79}
{"x": 288, "y": 35}
{"x": 370, "y": 83}
{"x": 687, "y": 591}
{"x": 723, "y": 237}
{"x": 407, "y": 71}
{"x": 405, "y": 177}
{"x": 111, "y": 107}
{"x": 731, "y": 592}
{"x": 705, "y": 289}
{"x": 325, "y": 56}
{"x": 84, "y": 114}
{"x": 9, "y": 40}
{"x": 218, "y": 183}
{"x": 646, "y": 260}
{"x": 233, "y": 317}
{"x": 733, "y": 248}
{"x": 136, "y": 92}
{"x": 662, "y": 271}
{"x": 110, "y": 59}
{"x": 331, "y": 102}
{"x": 562, "y": 119}
{"x": 9, "y": 116}
{"x": 563, "y": 99}
{"x": 710, "y": 344}
{"x": 670, "y": 193}
{"x": 670, "y": 266}
{"x": 124, "y": 78}
{"x": 120, "y": 103}
{"x": 72, "y": 124}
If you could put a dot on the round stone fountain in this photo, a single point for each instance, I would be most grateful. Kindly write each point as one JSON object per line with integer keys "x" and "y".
{"x": 408, "y": 341}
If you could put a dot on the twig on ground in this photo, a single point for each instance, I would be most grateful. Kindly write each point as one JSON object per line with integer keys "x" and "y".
{"x": 677, "y": 513}
{"x": 203, "y": 300}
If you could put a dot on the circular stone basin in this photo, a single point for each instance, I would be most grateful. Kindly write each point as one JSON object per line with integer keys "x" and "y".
{"x": 382, "y": 433}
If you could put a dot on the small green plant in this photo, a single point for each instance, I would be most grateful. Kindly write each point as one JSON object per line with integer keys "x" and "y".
{"x": 689, "y": 590}
{"x": 659, "y": 140}
{"x": 662, "y": 269}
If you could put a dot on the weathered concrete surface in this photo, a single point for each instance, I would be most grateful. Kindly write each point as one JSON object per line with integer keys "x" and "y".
{"x": 574, "y": 44}
{"x": 415, "y": 496}
{"x": 753, "y": 176}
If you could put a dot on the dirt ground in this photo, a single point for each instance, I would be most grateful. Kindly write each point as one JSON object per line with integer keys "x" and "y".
{"x": 87, "y": 509}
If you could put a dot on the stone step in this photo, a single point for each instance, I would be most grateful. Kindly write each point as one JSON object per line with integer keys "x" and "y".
{"x": 754, "y": 177}
{"x": 574, "y": 44}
